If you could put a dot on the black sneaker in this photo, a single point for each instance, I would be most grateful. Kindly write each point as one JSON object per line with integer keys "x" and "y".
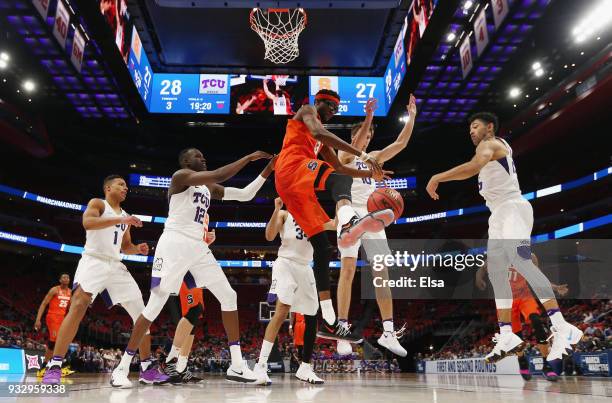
{"x": 189, "y": 377}
{"x": 338, "y": 331}
{"x": 353, "y": 230}
{"x": 524, "y": 367}
{"x": 549, "y": 373}
{"x": 174, "y": 377}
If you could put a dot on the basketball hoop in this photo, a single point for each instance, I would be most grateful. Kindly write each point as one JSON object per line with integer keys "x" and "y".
{"x": 279, "y": 28}
{"x": 280, "y": 80}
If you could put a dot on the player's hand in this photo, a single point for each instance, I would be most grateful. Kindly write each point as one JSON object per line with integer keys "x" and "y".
{"x": 383, "y": 175}
{"x": 37, "y": 325}
{"x": 210, "y": 237}
{"x": 411, "y": 107}
{"x": 278, "y": 203}
{"x": 377, "y": 171}
{"x": 143, "y": 248}
{"x": 257, "y": 155}
{"x": 131, "y": 220}
{"x": 432, "y": 187}
{"x": 270, "y": 167}
{"x": 371, "y": 106}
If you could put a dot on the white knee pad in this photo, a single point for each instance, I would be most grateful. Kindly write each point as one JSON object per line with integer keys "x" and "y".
{"x": 156, "y": 303}
{"x": 225, "y": 294}
{"x": 134, "y": 308}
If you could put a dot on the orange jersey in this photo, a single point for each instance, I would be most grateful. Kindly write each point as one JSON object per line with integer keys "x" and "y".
{"x": 59, "y": 303}
{"x": 520, "y": 288}
{"x": 190, "y": 298}
{"x": 298, "y": 145}
{"x": 298, "y": 329}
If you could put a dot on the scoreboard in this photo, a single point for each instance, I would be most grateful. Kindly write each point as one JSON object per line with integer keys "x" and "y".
{"x": 354, "y": 93}
{"x": 190, "y": 93}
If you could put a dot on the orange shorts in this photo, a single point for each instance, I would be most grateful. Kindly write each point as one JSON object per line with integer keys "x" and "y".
{"x": 295, "y": 184}
{"x": 190, "y": 298}
{"x": 524, "y": 307}
{"x": 53, "y": 324}
{"x": 298, "y": 333}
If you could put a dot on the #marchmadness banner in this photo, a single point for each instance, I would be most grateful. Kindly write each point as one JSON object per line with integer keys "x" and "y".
{"x": 594, "y": 364}
{"x": 507, "y": 366}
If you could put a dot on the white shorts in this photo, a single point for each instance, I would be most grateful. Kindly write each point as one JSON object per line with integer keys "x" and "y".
{"x": 510, "y": 226}
{"x": 293, "y": 283}
{"x": 353, "y": 251}
{"x": 107, "y": 277}
{"x": 179, "y": 258}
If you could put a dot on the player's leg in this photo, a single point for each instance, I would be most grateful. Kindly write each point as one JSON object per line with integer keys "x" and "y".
{"x": 207, "y": 273}
{"x": 531, "y": 311}
{"x": 305, "y": 372}
{"x": 517, "y": 228}
{"x": 192, "y": 317}
{"x": 517, "y": 329}
{"x": 68, "y": 329}
{"x": 277, "y": 320}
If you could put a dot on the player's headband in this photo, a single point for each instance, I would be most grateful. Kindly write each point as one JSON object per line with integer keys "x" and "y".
{"x": 321, "y": 97}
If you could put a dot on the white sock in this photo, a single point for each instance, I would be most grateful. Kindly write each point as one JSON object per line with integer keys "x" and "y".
{"x": 557, "y": 320}
{"x": 305, "y": 365}
{"x": 236, "y": 354}
{"x": 345, "y": 213}
{"x": 145, "y": 364}
{"x": 55, "y": 361}
{"x": 388, "y": 326}
{"x": 181, "y": 363}
{"x": 266, "y": 349}
{"x": 327, "y": 311}
{"x": 174, "y": 353}
{"x": 126, "y": 360}
{"x": 505, "y": 329}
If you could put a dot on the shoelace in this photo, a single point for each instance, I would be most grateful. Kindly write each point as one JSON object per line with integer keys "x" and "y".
{"x": 171, "y": 370}
{"x": 188, "y": 375}
{"x": 343, "y": 330}
{"x": 400, "y": 333}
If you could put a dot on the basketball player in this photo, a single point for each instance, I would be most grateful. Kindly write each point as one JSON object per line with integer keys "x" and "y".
{"x": 299, "y": 175}
{"x": 187, "y": 310}
{"x": 297, "y": 326}
{"x": 279, "y": 98}
{"x": 362, "y": 188}
{"x": 100, "y": 270}
{"x": 525, "y": 304}
{"x": 293, "y": 288}
{"x": 58, "y": 300}
{"x": 510, "y": 226}
{"x": 181, "y": 255}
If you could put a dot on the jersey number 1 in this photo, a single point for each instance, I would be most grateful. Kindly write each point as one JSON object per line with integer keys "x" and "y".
{"x": 116, "y": 235}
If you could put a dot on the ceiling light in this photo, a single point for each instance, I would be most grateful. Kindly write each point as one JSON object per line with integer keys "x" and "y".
{"x": 3, "y": 64}
{"x": 451, "y": 36}
{"x": 594, "y": 21}
{"x": 536, "y": 66}
{"x": 404, "y": 119}
{"x": 29, "y": 85}
{"x": 539, "y": 72}
{"x": 514, "y": 92}
{"x": 468, "y": 4}
{"x": 4, "y": 56}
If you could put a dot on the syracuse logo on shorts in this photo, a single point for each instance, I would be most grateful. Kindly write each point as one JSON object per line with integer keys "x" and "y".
{"x": 158, "y": 263}
{"x": 312, "y": 165}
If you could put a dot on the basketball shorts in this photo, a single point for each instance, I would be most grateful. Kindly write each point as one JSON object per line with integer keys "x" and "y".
{"x": 107, "y": 277}
{"x": 178, "y": 258}
{"x": 523, "y": 307}
{"x": 190, "y": 298}
{"x": 510, "y": 226}
{"x": 293, "y": 283}
{"x": 296, "y": 184}
{"x": 378, "y": 247}
{"x": 53, "y": 324}
{"x": 298, "y": 333}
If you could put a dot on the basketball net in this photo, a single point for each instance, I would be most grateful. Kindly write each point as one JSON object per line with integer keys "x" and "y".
{"x": 280, "y": 80}
{"x": 279, "y": 28}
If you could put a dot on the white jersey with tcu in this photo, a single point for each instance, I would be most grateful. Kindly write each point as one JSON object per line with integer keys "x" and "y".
{"x": 187, "y": 212}
{"x": 280, "y": 105}
{"x": 294, "y": 242}
{"x": 497, "y": 180}
{"x": 106, "y": 242}
{"x": 362, "y": 188}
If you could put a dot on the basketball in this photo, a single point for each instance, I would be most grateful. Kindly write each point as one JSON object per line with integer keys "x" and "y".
{"x": 386, "y": 198}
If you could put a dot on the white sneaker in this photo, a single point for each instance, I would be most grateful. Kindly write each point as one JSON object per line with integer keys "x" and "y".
{"x": 344, "y": 348}
{"x": 389, "y": 340}
{"x": 505, "y": 344}
{"x": 564, "y": 339}
{"x": 240, "y": 373}
{"x": 119, "y": 378}
{"x": 306, "y": 374}
{"x": 261, "y": 373}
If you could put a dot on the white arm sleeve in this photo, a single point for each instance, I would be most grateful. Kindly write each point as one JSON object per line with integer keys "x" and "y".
{"x": 246, "y": 193}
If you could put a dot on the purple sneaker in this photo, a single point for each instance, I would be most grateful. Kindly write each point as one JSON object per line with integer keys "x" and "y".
{"x": 153, "y": 376}
{"x": 53, "y": 376}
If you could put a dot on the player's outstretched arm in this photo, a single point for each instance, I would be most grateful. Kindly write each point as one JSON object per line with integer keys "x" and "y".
{"x": 267, "y": 91}
{"x": 43, "y": 305}
{"x": 188, "y": 177}
{"x": 330, "y": 156}
{"x": 361, "y": 136}
{"x": 128, "y": 248}
{"x": 92, "y": 217}
{"x": 247, "y": 193}
{"x": 484, "y": 153}
{"x": 403, "y": 138}
{"x": 277, "y": 220}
